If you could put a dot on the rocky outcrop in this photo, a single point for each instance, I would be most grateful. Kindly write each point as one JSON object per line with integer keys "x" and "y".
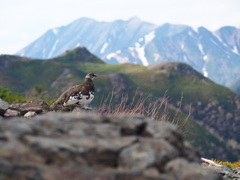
{"x": 27, "y": 110}
{"x": 89, "y": 146}
{"x": 226, "y": 172}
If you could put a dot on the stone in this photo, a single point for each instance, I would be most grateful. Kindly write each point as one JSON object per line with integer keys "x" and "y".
{"x": 183, "y": 170}
{"x": 35, "y": 106}
{"x": 146, "y": 153}
{"x": 3, "y": 107}
{"x": 152, "y": 172}
{"x": 30, "y": 114}
{"x": 81, "y": 146}
{"x": 11, "y": 113}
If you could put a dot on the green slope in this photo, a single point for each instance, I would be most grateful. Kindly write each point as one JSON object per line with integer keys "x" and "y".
{"x": 213, "y": 106}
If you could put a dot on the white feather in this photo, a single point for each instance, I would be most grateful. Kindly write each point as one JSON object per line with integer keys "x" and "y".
{"x": 71, "y": 102}
{"x": 83, "y": 100}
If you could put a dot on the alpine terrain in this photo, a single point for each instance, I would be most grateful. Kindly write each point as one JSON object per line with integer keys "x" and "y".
{"x": 214, "y": 54}
{"x": 214, "y": 124}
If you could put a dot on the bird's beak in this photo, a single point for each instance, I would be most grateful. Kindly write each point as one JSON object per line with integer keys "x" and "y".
{"x": 95, "y": 75}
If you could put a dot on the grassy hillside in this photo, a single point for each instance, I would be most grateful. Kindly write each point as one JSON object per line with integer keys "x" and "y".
{"x": 215, "y": 107}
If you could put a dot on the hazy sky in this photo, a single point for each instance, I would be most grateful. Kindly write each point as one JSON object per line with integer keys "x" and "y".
{"x": 23, "y": 21}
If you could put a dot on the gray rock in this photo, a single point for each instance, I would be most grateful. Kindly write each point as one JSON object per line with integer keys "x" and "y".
{"x": 30, "y": 114}
{"x": 89, "y": 146}
{"x": 146, "y": 153}
{"x": 183, "y": 170}
{"x": 11, "y": 113}
{"x": 35, "y": 106}
{"x": 3, "y": 107}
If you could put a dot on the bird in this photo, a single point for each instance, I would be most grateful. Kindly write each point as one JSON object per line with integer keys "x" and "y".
{"x": 79, "y": 95}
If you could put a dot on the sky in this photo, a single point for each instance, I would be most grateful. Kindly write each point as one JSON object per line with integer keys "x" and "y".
{"x": 24, "y": 21}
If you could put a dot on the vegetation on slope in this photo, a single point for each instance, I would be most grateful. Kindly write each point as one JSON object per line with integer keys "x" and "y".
{"x": 214, "y": 106}
{"x": 11, "y": 97}
{"x": 78, "y": 55}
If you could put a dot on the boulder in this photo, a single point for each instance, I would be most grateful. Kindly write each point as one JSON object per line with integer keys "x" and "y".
{"x": 90, "y": 146}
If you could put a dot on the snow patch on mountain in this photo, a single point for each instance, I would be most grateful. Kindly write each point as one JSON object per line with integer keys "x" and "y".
{"x": 195, "y": 29}
{"x": 156, "y": 57}
{"x": 53, "y": 48}
{"x": 201, "y": 48}
{"x": 149, "y": 37}
{"x": 119, "y": 58}
{"x": 111, "y": 55}
{"x": 132, "y": 53}
{"x": 141, "y": 49}
{"x": 219, "y": 39}
{"x": 204, "y": 70}
{"x": 137, "y": 45}
{"x": 235, "y": 49}
{"x": 185, "y": 58}
{"x": 105, "y": 45}
{"x": 141, "y": 55}
{"x": 182, "y": 46}
{"x": 205, "y": 57}
{"x": 214, "y": 42}
{"x": 55, "y": 31}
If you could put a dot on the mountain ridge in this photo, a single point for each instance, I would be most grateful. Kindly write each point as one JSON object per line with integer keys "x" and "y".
{"x": 215, "y": 54}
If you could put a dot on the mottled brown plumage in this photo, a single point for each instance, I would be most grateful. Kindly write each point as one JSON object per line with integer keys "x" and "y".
{"x": 78, "y": 95}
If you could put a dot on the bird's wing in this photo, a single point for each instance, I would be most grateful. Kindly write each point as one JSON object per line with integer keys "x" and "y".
{"x": 70, "y": 96}
{"x": 71, "y": 102}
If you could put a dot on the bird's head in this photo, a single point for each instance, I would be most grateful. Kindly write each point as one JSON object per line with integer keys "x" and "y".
{"x": 91, "y": 76}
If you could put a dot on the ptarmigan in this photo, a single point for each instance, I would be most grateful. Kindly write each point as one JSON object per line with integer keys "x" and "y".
{"x": 79, "y": 95}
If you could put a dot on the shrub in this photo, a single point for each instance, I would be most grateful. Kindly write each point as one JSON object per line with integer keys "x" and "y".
{"x": 11, "y": 97}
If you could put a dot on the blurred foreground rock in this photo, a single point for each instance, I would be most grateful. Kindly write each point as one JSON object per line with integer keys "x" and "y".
{"x": 84, "y": 146}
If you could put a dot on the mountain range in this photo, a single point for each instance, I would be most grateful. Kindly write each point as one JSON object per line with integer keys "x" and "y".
{"x": 214, "y": 124}
{"x": 216, "y": 54}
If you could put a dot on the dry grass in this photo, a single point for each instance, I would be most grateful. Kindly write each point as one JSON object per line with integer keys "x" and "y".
{"x": 157, "y": 110}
